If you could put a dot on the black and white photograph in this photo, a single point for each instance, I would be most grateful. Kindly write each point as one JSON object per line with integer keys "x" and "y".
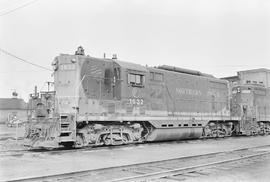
{"x": 134, "y": 90}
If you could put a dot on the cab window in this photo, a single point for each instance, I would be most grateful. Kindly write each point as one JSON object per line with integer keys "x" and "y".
{"x": 135, "y": 79}
{"x": 156, "y": 76}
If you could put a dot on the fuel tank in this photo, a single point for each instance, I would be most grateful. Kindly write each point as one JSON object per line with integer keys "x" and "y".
{"x": 166, "y": 134}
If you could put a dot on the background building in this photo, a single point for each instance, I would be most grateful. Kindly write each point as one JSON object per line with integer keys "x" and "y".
{"x": 256, "y": 76}
{"x": 259, "y": 76}
{"x": 11, "y": 107}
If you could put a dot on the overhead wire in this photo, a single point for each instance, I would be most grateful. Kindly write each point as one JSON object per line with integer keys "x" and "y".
{"x": 19, "y": 7}
{"x": 8, "y": 4}
{"x": 23, "y": 60}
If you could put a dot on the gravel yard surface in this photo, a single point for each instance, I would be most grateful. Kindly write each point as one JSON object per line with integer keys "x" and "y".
{"x": 32, "y": 164}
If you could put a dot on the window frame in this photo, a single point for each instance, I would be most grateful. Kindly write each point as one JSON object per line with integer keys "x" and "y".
{"x": 160, "y": 78}
{"x": 154, "y": 76}
{"x": 136, "y": 79}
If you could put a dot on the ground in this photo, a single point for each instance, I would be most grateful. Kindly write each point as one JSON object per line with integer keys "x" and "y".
{"x": 19, "y": 165}
{"x": 11, "y": 137}
{"x": 253, "y": 172}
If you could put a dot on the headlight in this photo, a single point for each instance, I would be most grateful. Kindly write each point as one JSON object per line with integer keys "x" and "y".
{"x": 55, "y": 64}
{"x": 73, "y": 60}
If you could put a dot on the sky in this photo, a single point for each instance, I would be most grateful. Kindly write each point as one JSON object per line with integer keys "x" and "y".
{"x": 217, "y": 37}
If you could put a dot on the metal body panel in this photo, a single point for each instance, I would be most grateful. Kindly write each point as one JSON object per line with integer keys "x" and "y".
{"x": 94, "y": 90}
{"x": 262, "y": 103}
{"x": 82, "y": 118}
{"x": 103, "y": 93}
{"x": 251, "y": 101}
{"x": 188, "y": 93}
{"x": 66, "y": 81}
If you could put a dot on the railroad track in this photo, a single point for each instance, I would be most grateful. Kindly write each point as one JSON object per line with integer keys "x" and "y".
{"x": 184, "y": 172}
{"x": 178, "y": 168}
{"x": 14, "y": 152}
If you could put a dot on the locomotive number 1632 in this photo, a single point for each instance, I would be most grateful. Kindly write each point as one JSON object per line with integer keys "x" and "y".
{"x": 137, "y": 102}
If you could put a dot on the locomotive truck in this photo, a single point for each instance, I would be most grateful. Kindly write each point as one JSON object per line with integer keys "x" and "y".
{"x": 101, "y": 101}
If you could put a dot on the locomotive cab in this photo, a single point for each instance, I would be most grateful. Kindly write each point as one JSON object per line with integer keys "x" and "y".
{"x": 249, "y": 103}
{"x": 243, "y": 101}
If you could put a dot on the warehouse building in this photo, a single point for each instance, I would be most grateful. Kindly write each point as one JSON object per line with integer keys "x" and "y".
{"x": 259, "y": 76}
{"x": 12, "y": 107}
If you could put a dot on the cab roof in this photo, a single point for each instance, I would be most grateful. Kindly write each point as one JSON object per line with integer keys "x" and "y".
{"x": 131, "y": 66}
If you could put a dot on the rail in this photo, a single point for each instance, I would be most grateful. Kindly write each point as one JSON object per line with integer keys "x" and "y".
{"x": 158, "y": 169}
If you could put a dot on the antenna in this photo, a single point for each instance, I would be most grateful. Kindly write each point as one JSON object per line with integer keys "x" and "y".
{"x": 49, "y": 84}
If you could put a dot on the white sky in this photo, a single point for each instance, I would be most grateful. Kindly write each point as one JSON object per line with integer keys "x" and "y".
{"x": 218, "y": 37}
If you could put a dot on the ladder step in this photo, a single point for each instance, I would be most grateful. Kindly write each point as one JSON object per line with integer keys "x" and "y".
{"x": 66, "y": 131}
{"x": 66, "y": 139}
{"x": 64, "y": 122}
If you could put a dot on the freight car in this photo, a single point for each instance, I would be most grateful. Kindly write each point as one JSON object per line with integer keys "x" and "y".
{"x": 111, "y": 102}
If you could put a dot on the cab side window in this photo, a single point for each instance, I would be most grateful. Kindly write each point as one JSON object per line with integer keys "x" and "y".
{"x": 156, "y": 76}
{"x": 159, "y": 77}
{"x": 136, "y": 79}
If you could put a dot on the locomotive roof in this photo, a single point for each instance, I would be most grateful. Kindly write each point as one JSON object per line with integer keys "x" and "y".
{"x": 205, "y": 76}
{"x": 131, "y": 66}
{"x": 184, "y": 70}
{"x": 123, "y": 64}
{"x": 138, "y": 67}
{"x": 250, "y": 85}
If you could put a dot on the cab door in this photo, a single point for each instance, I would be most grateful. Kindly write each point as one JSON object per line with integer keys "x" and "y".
{"x": 116, "y": 82}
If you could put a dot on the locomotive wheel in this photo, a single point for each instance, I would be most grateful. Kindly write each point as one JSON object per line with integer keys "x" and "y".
{"x": 215, "y": 133}
{"x": 125, "y": 139}
{"x": 107, "y": 140}
{"x": 222, "y": 133}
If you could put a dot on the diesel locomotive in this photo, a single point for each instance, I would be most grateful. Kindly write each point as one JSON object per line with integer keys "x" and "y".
{"x": 100, "y": 101}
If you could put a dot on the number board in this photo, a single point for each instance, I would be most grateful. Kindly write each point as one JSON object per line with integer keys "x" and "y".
{"x": 136, "y": 101}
